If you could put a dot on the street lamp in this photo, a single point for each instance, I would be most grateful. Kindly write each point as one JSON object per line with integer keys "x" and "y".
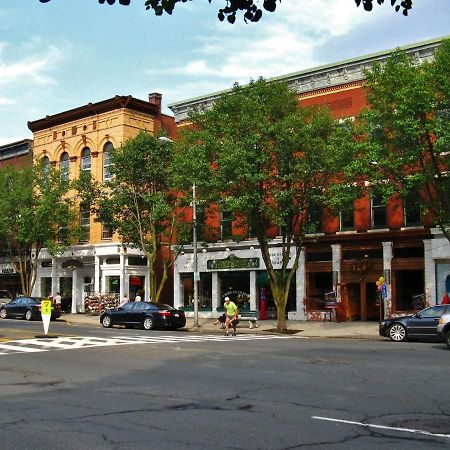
{"x": 194, "y": 243}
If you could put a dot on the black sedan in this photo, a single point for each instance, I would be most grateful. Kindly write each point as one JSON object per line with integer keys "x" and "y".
{"x": 28, "y": 308}
{"x": 148, "y": 315}
{"x": 420, "y": 326}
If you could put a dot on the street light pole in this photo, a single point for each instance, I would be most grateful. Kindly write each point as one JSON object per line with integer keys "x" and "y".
{"x": 195, "y": 264}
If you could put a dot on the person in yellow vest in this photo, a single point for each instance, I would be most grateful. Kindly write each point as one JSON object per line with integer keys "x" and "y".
{"x": 231, "y": 314}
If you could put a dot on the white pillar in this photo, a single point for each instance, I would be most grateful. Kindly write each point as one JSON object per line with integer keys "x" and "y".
{"x": 74, "y": 291}
{"x": 336, "y": 250}
{"x": 253, "y": 299}
{"x": 176, "y": 287}
{"x": 301, "y": 287}
{"x": 388, "y": 254}
{"x": 430, "y": 273}
{"x": 122, "y": 275}
{"x": 97, "y": 275}
{"x": 215, "y": 292}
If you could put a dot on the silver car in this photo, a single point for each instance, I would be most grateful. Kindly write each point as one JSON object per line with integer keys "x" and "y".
{"x": 443, "y": 329}
{"x": 5, "y": 297}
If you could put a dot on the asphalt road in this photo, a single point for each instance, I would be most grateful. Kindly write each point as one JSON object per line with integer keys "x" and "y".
{"x": 129, "y": 389}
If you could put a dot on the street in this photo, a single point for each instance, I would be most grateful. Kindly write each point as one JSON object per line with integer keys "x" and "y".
{"x": 128, "y": 389}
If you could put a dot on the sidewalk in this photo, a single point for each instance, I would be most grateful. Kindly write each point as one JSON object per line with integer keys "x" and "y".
{"x": 354, "y": 330}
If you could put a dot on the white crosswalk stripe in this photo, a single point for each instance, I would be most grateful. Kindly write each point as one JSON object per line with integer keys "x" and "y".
{"x": 77, "y": 342}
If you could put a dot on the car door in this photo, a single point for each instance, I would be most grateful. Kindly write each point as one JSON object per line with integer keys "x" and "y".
{"x": 123, "y": 314}
{"x": 20, "y": 307}
{"x": 425, "y": 322}
{"x": 12, "y": 307}
{"x": 138, "y": 312}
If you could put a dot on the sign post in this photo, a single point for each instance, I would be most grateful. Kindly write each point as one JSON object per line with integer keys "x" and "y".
{"x": 46, "y": 313}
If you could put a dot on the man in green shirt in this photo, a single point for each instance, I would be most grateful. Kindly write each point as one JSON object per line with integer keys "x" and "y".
{"x": 231, "y": 313}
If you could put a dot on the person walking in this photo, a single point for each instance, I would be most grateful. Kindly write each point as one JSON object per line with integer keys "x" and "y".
{"x": 231, "y": 315}
{"x": 124, "y": 301}
{"x": 57, "y": 300}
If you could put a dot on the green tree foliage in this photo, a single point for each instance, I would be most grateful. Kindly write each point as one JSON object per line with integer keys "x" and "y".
{"x": 268, "y": 162}
{"x": 35, "y": 213}
{"x": 404, "y": 137}
{"x": 139, "y": 204}
{"x": 249, "y": 8}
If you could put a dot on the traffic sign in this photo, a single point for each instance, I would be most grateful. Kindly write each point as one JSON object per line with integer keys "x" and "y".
{"x": 46, "y": 313}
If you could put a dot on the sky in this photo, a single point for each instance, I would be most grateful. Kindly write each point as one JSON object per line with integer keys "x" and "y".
{"x": 67, "y": 53}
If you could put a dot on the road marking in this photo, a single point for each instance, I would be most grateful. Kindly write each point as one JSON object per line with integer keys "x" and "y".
{"x": 76, "y": 342}
{"x": 382, "y": 427}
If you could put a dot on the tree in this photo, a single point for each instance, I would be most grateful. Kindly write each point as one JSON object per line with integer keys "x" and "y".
{"x": 268, "y": 163}
{"x": 35, "y": 213}
{"x": 250, "y": 9}
{"x": 404, "y": 135}
{"x": 139, "y": 205}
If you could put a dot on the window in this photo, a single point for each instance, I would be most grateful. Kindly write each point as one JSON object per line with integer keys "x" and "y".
{"x": 315, "y": 218}
{"x": 107, "y": 161}
{"x": 346, "y": 220}
{"x": 86, "y": 159}
{"x": 64, "y": 166}
{"x": 412, "y": 210}
{"x": 85, "y": 224}
{"x": 106, "y": 232}
{"x": 225, "y": 225}
{"x": 379, "y": 218}
{"x": 45, "y": 163}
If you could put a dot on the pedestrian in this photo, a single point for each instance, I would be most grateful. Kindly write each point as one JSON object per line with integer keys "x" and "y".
{"x": 138, "y": 297}
{"x": 231, "y": 316}
{"x": 57, "y": 300}
{"x": 124, "y": 301}
{"x": 445, "y": 299}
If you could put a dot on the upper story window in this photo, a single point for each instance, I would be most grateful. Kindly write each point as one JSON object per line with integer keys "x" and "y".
{"x": 45, "y": 164}
{"x": 226, "y": 219}
{"x": 85, "y": 224}
{"x": 346, "y": 220}
{"x": 107, "y": 233}
{"x": 411, "y": 210}
{"x": 379, "y": 212}
{"x": 86, "y": 159}
{"x": 107, "y": 161}
{"x": 64, "y": 166}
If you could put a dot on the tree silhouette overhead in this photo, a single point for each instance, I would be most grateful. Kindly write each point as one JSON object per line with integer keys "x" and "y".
{"x": 250, "y": 9}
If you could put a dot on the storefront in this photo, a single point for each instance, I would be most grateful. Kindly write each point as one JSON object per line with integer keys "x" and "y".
{"x": 92, "y": 270}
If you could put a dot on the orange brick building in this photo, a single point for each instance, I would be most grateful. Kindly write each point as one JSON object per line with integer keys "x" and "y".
{"x": 353, "y": 250}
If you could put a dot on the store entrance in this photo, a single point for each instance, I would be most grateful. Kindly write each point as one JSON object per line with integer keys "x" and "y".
{"x": 362, "y": 301}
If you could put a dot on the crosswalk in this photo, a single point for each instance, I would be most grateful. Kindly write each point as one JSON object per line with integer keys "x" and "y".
{"x": 77, "y": 342}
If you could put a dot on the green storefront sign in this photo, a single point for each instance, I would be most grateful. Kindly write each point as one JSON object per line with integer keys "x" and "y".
{"x": 232, "y": 262}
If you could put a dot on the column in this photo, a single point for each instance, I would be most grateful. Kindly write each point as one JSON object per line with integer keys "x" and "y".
{"x": 215, "y": 292}
{"x": 430, "y": 274}
{"x": 253, "y": 299}
{"x": 176, "y": 287}
{"x": 300, "y": 277}
{"x": 122, "y": 275}
{"x": 336, "y": 250}
{"x": 74, "y": 291}
{"x": 388, "y": 253}
{"x": 97, "y": 275}
{"x": 55, "y": 278}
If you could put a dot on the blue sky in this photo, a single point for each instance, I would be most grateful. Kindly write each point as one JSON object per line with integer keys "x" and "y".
{"x": 67, "y": 53}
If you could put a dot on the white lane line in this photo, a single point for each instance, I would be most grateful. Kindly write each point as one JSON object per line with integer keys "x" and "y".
{"x": 21, "y": 348}
{"x": 382, "y": 427}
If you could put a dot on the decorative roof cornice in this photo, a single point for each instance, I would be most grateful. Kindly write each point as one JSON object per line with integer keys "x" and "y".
{"x": 312, "y": 81}
{"x": 15, "y": 149}
{"x": 93, "y": 109}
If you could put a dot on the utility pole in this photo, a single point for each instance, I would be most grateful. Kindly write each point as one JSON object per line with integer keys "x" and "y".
{"x": 195, "y": 264}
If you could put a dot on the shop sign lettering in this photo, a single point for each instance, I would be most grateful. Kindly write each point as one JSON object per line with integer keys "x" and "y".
{"x": 232, "y": 262}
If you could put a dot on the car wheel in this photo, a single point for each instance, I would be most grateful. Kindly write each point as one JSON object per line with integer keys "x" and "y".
{"x": 397, "y": 332}
{"x": 148, "y": 323}
{"x": 106, "y": 321}
{"x": 3, "y": 313}
{"x": 447, "y": 337}
{"x": 29, "y": 314}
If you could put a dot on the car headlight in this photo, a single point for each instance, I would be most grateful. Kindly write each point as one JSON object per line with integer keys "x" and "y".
{"x": 382, "y": 324}
{"x": 441, "y": 321}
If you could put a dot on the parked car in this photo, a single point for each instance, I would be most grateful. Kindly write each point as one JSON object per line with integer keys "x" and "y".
{"x": 443, "y": 329}
{"x": 148, "y": 315}
{"x": 28, "y": 308}
{"x": 419, "y": 326}
{"x": 5, "y": 297}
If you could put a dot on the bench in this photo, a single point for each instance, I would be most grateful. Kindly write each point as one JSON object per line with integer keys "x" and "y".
{"x": 251, "y": 316}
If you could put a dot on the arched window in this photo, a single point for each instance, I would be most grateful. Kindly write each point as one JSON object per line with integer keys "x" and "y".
{"x": 64, "y": 166}
{"x": 107, "y": 161}
{"x": 86, "y": 159}
{"x": 45, "y": 164}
